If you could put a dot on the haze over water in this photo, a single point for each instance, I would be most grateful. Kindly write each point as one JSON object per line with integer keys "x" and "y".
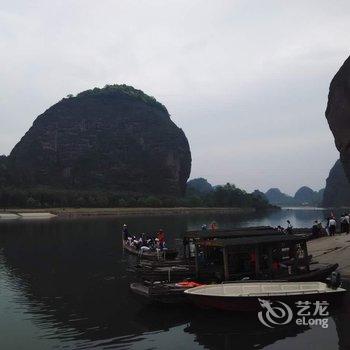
{"x": 64, "y": 284}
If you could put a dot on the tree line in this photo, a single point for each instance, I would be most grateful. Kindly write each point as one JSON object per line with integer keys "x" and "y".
{"x": 222, "y": 196}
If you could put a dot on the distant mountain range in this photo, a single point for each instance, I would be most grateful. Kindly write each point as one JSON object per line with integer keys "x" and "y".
{"x": 305, "y": 196}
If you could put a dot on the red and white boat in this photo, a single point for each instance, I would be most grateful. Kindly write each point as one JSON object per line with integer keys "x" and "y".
{"x": 245, "y": 296}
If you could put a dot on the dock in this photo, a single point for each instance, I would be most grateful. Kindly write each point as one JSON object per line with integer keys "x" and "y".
{"x": 25, "y": 216}
{"x": 333, "y": 249}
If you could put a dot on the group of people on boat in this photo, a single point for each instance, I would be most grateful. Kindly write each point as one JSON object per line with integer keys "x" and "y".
{"x": 145, "y": 242}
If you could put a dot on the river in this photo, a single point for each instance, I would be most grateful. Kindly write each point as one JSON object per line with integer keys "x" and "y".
{"x": 64, "y": 284}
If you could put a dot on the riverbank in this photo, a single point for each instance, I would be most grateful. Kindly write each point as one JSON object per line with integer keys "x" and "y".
{"x": 331, "y": 250}
{"x": 76, "y": 212}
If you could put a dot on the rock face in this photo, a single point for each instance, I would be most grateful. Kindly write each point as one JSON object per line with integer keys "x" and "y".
{"x": 116, "y": 138}
{"x": 304, "y": 195}
{"x": 337, "y": 191}
{"x": 276, "y": 197}
{"x": 338, "y": 113}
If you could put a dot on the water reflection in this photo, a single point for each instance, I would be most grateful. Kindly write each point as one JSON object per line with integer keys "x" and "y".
{"x": 69, "y": 279}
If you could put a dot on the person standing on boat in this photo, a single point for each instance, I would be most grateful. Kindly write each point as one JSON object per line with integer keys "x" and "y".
{"x": 332, "y": 226}
{"x": 125, "y": 232}
{"x": 214, "y": 226}
{"x": 161, "y": 239}
{"x": 289, "y": 229}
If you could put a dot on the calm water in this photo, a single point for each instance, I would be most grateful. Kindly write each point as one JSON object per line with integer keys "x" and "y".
{"x": 64, "y": 285}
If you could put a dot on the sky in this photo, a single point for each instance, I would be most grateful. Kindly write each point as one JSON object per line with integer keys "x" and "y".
{"x": 247, "y": 81}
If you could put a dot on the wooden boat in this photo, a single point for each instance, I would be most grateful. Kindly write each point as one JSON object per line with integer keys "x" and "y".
{"x": 166, "y": 288}
{"x": 167, "y": 254}
{"x": 165, "y": 293}
{"x": 245, "y": 296}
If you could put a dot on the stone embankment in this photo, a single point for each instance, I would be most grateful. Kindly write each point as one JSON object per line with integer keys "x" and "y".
{"x": 333, "y": 249}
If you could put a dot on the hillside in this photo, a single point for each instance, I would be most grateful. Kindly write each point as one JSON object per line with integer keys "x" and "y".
{"x": 116, "y": 139}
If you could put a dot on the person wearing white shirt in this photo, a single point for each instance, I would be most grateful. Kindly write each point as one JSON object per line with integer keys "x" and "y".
{"x": 332, "y": 226}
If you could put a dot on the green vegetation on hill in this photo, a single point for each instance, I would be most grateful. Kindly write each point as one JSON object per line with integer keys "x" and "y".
{"x": 226, "y": 196}
{"x": 199, "y": 185}
{"x": 115, "y": 89}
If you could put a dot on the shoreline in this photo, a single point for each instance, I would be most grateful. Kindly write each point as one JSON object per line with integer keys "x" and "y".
{"x": 77, "y": 212}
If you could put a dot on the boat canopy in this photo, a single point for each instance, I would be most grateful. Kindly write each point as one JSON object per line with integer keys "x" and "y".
{"x": 252, "y": 241}
{"x": 231, "y": 233}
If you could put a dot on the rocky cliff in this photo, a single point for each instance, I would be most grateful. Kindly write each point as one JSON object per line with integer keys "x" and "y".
{"x": 276, "y": 197}
{"x": 304, "y": 195}
{"x": 337, "y": 191}
{"x": 116, "y": 138}
{"x": 338, "y": 113}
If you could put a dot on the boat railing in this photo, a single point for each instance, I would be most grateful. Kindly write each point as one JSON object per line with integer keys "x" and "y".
{"x": 270, "y": 294}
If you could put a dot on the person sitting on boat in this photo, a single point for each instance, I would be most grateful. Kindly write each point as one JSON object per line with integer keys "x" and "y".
{"x": 149, "y": 242}
{"x": 135, "y": 242}
{"x": 144, "y": 249}
{"x": 140, "y": 242}
{"x": 125, "y": 232}
{"x": 143, "y": 239}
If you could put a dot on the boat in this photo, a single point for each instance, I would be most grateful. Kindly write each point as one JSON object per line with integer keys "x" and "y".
{"x": 167, "y": 254}
{"x": 160, "y": 292}
{"x": 253, "y": 256}
{"x": 254, "y": 295}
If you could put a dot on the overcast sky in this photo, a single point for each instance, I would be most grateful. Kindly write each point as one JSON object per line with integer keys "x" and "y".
{"x": 246, "y": 80}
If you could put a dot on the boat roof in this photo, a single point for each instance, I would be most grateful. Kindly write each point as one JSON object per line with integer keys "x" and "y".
{"x": 235, "y": 232}
{"x": 252, "y": 241}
